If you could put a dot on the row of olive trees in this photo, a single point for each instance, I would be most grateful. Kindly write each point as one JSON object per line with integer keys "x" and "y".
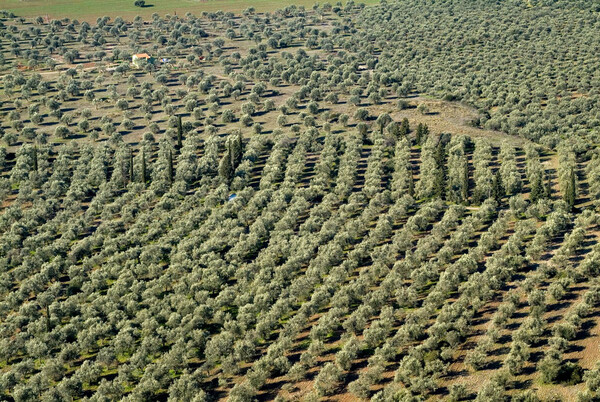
{"x": 83, "y": 167}
{"x": 377, "y": 336}
{"x": 451, "y": 323}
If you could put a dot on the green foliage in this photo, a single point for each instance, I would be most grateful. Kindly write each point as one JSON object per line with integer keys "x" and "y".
{"x": 186, "y": 256}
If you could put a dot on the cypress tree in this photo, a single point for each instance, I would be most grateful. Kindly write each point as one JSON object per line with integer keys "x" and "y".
{"x": 411, "y": 183}
{"x": 439, "y": 187}
{"x": 404, "y": 128}
{"x": 548, "y": 187}
{"x": 362, "y": 130}
{"x": 143, "y": 166}
{"x": 427, "y": 185}
{"x": 130, "y": 165}
{"x": 537, "y": 188}
{"x": 497, "y": 187}
{"x": 235, "y": 147}
{"x": 570, "y": 193}
{"x": 440, "y": 153}
{"x": 170, "y": 160}
{"x": 225, "y": 168}
{"x": 440, "y": 180}
{"x": 573, "y": 185}
{"x": 457, "y": 174}
{"x": 465, "y": 189}
{"x": 48, "y": 327}
{"x": 422, "y": 133}
{"x": 232, "y": 158}
{"x": 419, "y": 134}
{"x": 179, "y": 133}
{"x": 35, "y": 159}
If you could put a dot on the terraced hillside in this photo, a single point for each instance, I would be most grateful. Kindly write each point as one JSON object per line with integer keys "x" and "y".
{"x": 268, "y": 211}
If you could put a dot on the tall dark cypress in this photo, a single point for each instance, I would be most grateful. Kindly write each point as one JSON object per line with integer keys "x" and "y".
{"x": 35, "y": 159}
{"x": 547, "y": 186}
{"x": 497, "y": 187}
{"x": 179, "y": 133}
{"x": 225, "y": 169}
{"x": 232, "y": 158}
{"x": 411, "y": 183}
{"x": 419, "y": 134}
{"x": 422, "y": 133}
{"x": 440, "y": 180}
{"x": 130, "y": 165}
{"x": 48, "y": 326}
{"x": 573, "y": 185}
{"x": 404, "y": 128}
{"x": 537, "y": 188}
{"x": 570, "y": 193}
{"x": 235, "y": 148}
{"x": 170, "y": 159}
{"x": 143, "y": 166}
{"x": 465, "y": 190}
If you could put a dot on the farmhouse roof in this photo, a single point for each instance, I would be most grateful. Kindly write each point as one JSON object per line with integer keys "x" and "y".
{"x": 142, "y": 56}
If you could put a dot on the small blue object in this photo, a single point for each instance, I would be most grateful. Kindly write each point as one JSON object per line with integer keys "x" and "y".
{"x": 232, "y": 197}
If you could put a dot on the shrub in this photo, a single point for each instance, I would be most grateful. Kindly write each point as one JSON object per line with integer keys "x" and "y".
{"x": 228, "y": 116}
{"x": 423, "y": 108}
{"x": 361, "y": 114}
{"x": 61, "y": 131}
